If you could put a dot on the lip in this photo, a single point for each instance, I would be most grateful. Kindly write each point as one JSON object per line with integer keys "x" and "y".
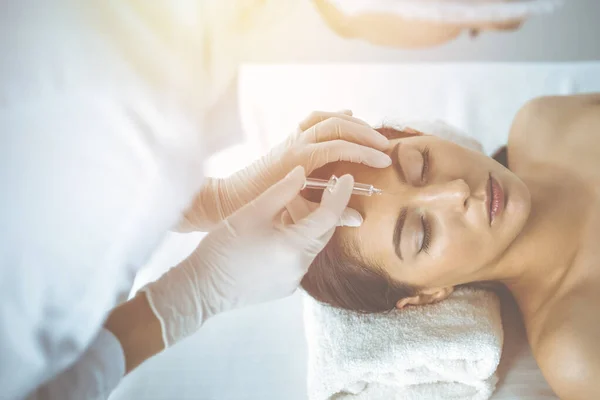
{"x": 495, "y": 200}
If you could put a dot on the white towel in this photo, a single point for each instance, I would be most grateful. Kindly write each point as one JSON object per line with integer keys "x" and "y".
{"x": 448, "y": 350}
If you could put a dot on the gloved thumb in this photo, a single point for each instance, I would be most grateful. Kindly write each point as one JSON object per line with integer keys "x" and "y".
{"x": 325, "y": 217}
{"x": 269, "y": 204}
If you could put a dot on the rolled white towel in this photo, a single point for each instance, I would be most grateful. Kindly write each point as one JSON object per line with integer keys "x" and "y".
{"x": 448, "y": 350}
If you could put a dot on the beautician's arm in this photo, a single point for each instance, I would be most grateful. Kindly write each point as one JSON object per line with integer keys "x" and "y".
{"x": 228, "y": 270}
{"x": 137, "y": 329}
{"x": 387, "y": 29}
{"x": 132, "y": 334}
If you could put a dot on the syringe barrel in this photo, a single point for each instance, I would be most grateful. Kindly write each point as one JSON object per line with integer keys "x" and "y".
{"x": 361, "y": 189}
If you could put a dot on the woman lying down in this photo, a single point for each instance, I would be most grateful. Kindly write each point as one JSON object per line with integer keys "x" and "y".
{"x": 451, "y": 216}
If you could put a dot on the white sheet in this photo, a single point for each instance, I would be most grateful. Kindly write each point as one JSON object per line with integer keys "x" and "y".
{"x": 260, "y": 353}
{"x": 479, "y": 98}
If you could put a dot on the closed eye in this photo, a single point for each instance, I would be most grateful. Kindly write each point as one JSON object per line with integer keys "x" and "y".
{"x": 426, "y": 235}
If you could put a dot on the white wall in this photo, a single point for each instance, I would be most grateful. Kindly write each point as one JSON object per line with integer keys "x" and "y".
{"x": 571, "y": 34}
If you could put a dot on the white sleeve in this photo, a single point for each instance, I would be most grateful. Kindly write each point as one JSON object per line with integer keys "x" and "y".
{"x": 93, "y": 376}
{"x": 95, "y": 167}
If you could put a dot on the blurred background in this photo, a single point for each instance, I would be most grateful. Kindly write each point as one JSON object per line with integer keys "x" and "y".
{"x": 569, "y": 34}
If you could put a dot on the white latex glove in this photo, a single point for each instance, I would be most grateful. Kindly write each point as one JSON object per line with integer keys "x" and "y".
{"x": 322, "y": 138}
{"x": 251, "y": 257}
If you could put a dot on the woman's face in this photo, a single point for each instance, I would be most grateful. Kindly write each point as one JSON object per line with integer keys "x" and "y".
{"x": 446, "y": 212}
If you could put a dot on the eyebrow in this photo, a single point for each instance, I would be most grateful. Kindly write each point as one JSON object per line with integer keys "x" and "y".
{"x": 402, "y": 217}
{"x": 396, "y": 164}
{"x": 398, "y": 232}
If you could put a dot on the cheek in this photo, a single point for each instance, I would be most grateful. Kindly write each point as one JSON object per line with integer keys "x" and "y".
{"x": 453, "y": 266}
{"x": 462, "y": 248}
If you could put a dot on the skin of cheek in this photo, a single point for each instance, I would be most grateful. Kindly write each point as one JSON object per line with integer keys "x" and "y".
{"x": 449, "y": 263}
{"x": 461, "y": 253}
{"x": 454, "y": 262}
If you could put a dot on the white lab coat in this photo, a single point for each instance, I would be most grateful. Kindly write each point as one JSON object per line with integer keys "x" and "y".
{"x": 102, "y": 107}
{"x": 93, "y": 376}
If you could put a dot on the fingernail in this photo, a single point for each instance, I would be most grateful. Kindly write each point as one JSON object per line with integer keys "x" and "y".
{"x": 381, "y": 160}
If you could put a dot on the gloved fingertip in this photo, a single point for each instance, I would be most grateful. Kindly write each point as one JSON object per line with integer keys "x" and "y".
{"x": 380, "y": 160}
{"x": 382, "y": 141}
{"x": 296, "y": 173}
{"x": 351, "y": 218}
{"x": 346, "y": 111}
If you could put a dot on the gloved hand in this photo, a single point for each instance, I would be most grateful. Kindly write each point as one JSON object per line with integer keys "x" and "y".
{"x": 320, "y": 139}
{"x": 250, "y": 257}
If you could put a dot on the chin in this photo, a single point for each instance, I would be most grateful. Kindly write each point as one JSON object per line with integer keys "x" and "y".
{"x": 518, "y": 206}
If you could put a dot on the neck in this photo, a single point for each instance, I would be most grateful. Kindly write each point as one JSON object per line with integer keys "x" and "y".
{"x": 536, "y": 263}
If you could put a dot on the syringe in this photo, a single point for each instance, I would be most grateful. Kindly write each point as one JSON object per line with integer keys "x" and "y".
{"x": 362, "y": 189}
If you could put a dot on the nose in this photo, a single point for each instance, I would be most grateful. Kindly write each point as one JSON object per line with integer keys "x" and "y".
{"x": 450, "y": 195}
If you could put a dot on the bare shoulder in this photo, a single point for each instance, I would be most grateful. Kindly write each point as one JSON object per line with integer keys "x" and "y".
{"x": 554, "y": 113}
{"x": 566, "y": 346}
{"x": 557, "y": 128}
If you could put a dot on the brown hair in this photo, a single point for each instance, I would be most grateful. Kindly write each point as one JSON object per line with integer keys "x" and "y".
{"x": 339, "y": 277}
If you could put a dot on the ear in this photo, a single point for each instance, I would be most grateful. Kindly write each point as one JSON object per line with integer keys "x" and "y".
{"x": 426, "y": 296}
